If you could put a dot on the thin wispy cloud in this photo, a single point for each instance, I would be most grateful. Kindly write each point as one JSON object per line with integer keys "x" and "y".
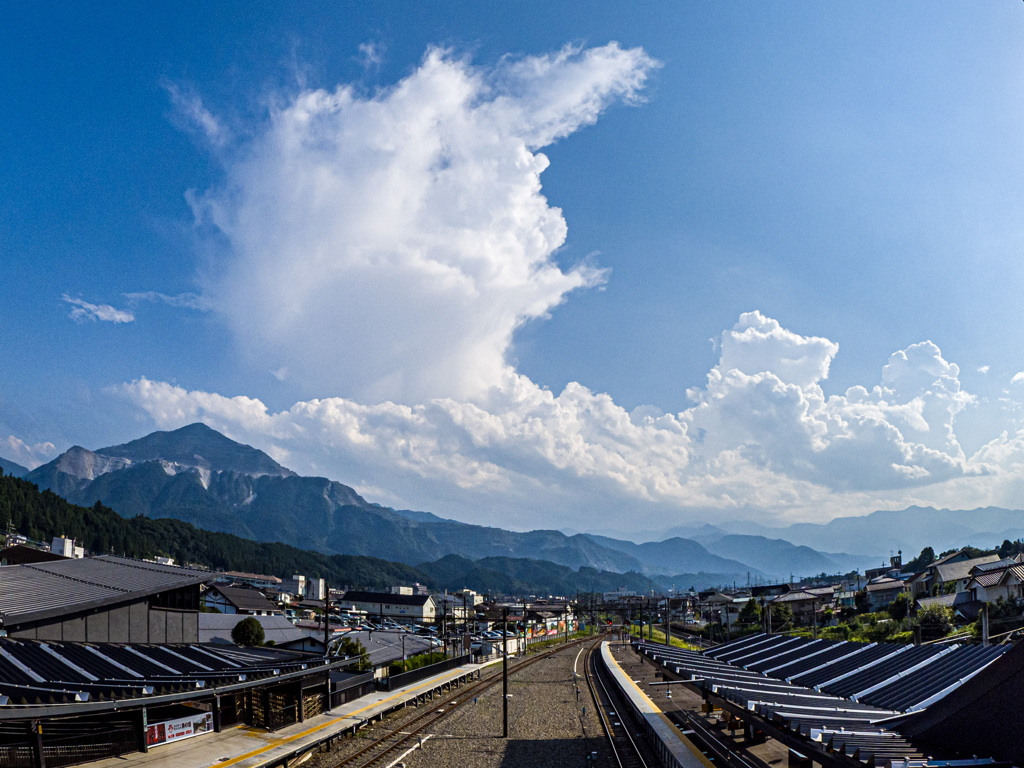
{"x": 190, "y": 113}
{"x": 184, "y": 300}
{"x": 371, "y": 55}
{"x": 82, "y": 311}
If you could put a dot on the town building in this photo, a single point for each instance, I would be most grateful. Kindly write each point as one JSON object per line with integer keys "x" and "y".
{"x": 883, "y": 591}
{"x": 403, "y": 608}
{"x": 239, "y": 600}
{"x": 104, "y": 599}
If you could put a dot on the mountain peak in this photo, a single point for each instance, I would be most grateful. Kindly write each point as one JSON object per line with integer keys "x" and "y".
{"x": 87, "y": 465}
{"x": 200, "y": 446}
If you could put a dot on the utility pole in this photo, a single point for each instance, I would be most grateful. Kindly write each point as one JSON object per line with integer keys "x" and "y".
{"x": 668, "y": 619}
{"x": 523, "y": 652}
{"x": 504, "y": 682}
{"x": 327, "y": 620}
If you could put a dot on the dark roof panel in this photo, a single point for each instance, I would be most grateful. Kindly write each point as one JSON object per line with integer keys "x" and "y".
{"x": 43, "y": 590}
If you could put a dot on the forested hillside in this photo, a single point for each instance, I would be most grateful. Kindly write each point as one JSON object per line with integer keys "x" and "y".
{"x": 42, "y": 515}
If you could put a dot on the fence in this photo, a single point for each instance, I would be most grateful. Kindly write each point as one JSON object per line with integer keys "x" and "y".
{"x": 415, "y": 675}
{"x": 352, "y": 688}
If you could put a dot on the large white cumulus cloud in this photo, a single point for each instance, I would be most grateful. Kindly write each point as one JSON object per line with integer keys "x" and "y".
{"x": 388, "y": 246}
{"x": 381, "y": 251}
{"x": 761, "y": 437}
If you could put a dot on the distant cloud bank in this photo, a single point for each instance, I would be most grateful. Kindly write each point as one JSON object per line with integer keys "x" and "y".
{"x": 761, "y": 439}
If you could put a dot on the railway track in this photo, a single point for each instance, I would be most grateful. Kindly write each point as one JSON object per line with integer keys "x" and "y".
{"x": 633, "y": 751}
{"x": 715, "y": 747}
{"x": 384, "y": 749}
{"x": 628, "y": 751}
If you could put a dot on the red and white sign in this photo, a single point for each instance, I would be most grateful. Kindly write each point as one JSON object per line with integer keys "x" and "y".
{"x": 182, "y": 728}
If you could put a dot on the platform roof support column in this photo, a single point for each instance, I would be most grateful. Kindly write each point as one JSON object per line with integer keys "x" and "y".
{"x": 36, "y": 732}
{"x": 141, "y": 726}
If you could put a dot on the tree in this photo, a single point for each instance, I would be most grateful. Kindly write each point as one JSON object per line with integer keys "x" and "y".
{"x": 935, "y": 621}
{"x": 349, "y": 648}
{"x": 860, "y": 601}
{"x": 782, "y": 615}
{"x": 750, "y": 616}
{"x": 900, "y": 607}
{"x": 922, "y": 561}
{"x": 1009, "y": 548}
{"x": 248, "y": 632}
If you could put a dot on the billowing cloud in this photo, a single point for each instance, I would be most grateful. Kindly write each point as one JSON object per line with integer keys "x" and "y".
{"x": 389, "y": 246}
{"x": 26, "y": 454}
{"x": 762, "y": 438}
{"x": 379, "y": 253}
{"x": 82, "y": 311}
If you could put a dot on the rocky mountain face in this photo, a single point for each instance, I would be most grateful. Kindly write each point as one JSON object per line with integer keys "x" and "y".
{"x": 200, "y": 476}
{"x": 197, "y": 475}
{"x": 197, "y": 446}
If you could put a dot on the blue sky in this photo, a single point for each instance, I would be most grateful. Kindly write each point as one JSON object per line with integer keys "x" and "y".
{"x": 480, "y": 260}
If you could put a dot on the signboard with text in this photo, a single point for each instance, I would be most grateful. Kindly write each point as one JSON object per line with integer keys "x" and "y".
{"x": 182, "y": 728}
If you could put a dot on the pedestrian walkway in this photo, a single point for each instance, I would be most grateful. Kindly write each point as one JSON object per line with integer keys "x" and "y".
{"x": 243, "y": 746}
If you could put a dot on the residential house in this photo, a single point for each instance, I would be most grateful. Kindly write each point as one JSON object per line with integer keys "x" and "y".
{"x": 403, "y": 608}
{"x": 947, "y": 574}
{"x": 720, "y": 608}
{"x": 804, "y": 603}
{"x": 239, "y": 600}
{"x": 883, "y": 591}
{"x": 989, "y": 584}
{"x": 892, "y": 570}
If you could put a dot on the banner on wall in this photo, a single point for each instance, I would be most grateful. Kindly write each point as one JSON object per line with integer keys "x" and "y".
{"x": 182, "y": 728}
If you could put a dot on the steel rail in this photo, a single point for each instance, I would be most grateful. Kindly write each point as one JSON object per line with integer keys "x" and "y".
{"x": 406, "y": 731}
{"x": 605, "y": 705}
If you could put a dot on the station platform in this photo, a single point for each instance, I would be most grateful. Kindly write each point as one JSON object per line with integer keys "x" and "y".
{"x": 244, "y": 746}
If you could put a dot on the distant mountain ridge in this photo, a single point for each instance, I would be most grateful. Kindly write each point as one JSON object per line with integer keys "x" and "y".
{"x": 198, "y": 475}
{"x": 12, "y": 468}
{"x": 885, "y": 532}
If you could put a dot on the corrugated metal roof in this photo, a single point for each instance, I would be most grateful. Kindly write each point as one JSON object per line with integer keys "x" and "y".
{"x": 43, "y": 590}
{"x": 216, "y": 628}
{"x": 33, "y": 671}
{"x": 245, "y": 598}
{"x": 884, "y": 678}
